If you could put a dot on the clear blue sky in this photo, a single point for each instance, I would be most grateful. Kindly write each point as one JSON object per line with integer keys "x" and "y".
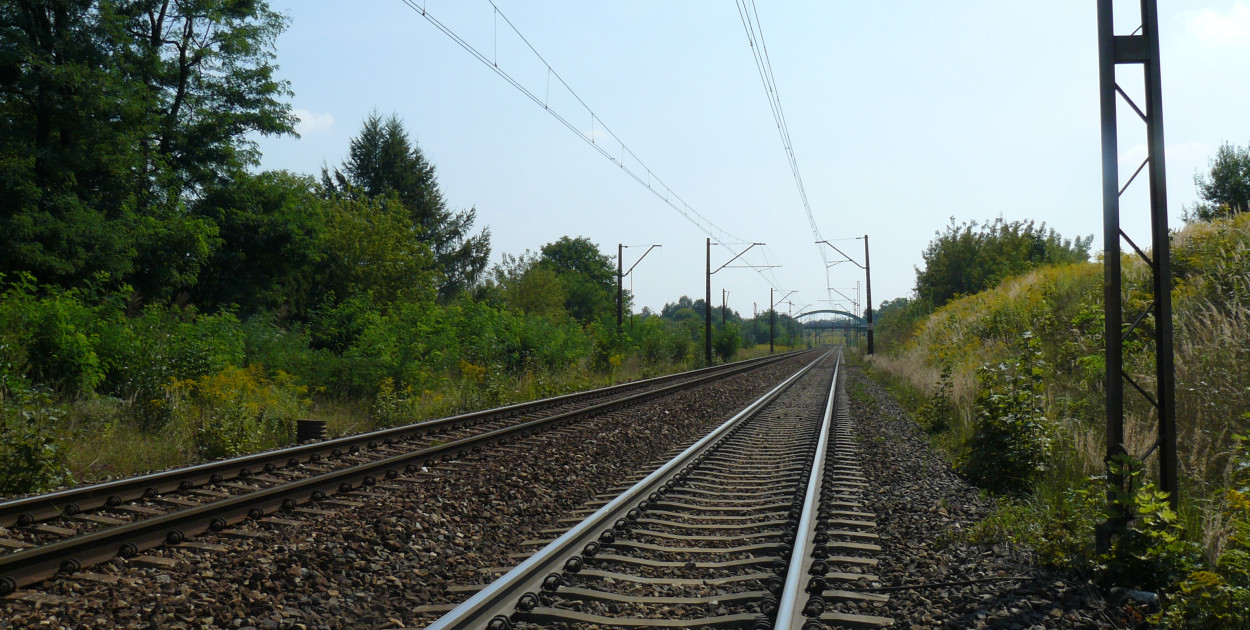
{"x": 902, "y": 115}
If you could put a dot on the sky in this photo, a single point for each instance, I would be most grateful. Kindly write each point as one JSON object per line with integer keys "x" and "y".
{"x": 902, "y": 116}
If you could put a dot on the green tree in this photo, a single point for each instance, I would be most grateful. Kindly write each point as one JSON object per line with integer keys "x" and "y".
{"x": 1225, "y": 191}
{"x": 114, "y": 113}
{"x": 271, "y": 231}
{"x": 66, "y": 140}
{"x": 208, "y": 75}
{"x": 375, "y": 252}
{"x": 530, "y": 288}
{"x": 383, "y": 160}
{"x": 726, "y": 341}
{"x": 587, "y": 276}
{"x": 970, "y": 257}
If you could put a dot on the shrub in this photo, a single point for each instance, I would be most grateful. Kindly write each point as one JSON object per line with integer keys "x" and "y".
{"x": 1219, "y": 597}
{"x": 1152, "y": 552}
{"x": 938, "y": 411}
{"x": 1012, "y": 441}
{"x": 726, "y": 342}
{"x": 30, "y": 458}
{"x": 391, "y": 407}
{"x": 1058, "y": 527}
{"x": 54, "y": 334}
{"x": 237, "y": 411}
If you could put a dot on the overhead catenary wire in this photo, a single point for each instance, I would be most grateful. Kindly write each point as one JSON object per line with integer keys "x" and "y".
{"x": 642, "y": 174}
{"x": 749, "y": 15}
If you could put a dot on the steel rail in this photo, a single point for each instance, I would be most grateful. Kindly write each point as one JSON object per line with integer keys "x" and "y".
{"x": 542, "y": 570}
{"x": 28, "y": 510}
{"x": 39, "y": 563}
{"x": 789, "y": 609}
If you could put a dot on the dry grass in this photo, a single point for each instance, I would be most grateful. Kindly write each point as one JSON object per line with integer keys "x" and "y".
{"x": 1212, "y": 358}
{"x": 101, "y": 441}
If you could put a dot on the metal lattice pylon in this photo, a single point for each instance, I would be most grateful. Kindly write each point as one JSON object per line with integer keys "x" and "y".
{"x": 1141, "y": 48}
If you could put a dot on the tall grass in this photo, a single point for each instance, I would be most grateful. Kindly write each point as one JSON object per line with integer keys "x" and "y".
{"x": 1063, "y": 306}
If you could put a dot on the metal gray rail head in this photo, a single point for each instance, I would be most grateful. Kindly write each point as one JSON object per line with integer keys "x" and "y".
{"x": 27, "y": 510}
{"x": 543, "y": 568}
{"x": 790, "y": 604}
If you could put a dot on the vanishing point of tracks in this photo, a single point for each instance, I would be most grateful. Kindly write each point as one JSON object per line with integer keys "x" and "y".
{"x": 758, "y": 525}
{"x": 66, "y": 531}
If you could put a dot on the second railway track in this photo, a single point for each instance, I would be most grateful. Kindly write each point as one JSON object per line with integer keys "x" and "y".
{"x": 69, "y": 530}
{"x": 758, "y": 525}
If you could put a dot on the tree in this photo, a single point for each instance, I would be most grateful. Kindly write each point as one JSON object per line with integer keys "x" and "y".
{"x": 115, "y": 113}
{"x": 587, "y": 276}
{"x": 271, "y": 229}
{"x": 208, "y": 73}
{"x": 726, "y": 341}
{"x": 1225, "y": 191}
{"x": 966, "y": 260}
{"x": 66, "y": 134}
{"x": 375, "y": 252}
{"x": 383, "y": 160}
{"x": 530, "y": 288}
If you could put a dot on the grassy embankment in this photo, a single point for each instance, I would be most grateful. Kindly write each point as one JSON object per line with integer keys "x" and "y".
{"x": 938, "y": 374}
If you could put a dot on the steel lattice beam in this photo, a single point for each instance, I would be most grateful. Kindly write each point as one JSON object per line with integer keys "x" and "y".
{"x": 1141, "y": 48}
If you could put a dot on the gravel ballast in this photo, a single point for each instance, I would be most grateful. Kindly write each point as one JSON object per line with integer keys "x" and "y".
{"x": 397, "y": 554}
{"x": 920, "y": 503}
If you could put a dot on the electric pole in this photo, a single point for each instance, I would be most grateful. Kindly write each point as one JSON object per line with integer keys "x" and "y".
{"x": 868, "y": 284}
{"x": 1139, "y": 50}
{"x": 707, "y": 300}
{"x": 707, "y": 310}
{"x": 620, "y": 291}
{"x": 620, "y": 278}
{"x": 867, "y": 281}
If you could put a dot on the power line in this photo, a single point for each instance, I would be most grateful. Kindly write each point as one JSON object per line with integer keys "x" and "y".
{"x": 618, "y": 153}
{"x": 750, "y": 17}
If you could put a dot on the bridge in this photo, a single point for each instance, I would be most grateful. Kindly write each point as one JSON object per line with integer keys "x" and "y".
{"x": 862, "y": 323}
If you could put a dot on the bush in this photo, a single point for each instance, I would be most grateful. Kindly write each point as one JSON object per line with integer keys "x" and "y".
{"x": 938, "y": 411}
{"x": 30, "y": 458}
{"x": 54, "y": 335}
{"x": 164, "y": 345}
{"x": 1219, "y": 597}
{"x": 1058, "y": 527}
{"x": 393, "y": 408}
{"x": 1012, "y": 441}
{"x": 237, "y": 411}
{"x": 1152, "y": 552}
{"x": 726, "y": 341}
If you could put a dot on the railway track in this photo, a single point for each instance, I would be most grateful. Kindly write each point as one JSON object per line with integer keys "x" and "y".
{"x": 65, "y": 531}
{"x": 758, "y": 525}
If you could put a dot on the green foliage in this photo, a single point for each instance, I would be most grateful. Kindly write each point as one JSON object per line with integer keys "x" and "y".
{"x": 384, "y": 163}
{"x": 528, "y": 287}
{"x": 586, "y": 275}
{"x": 1058, "y": 527}
{"x": 1225, "y": 191}
{"x": 271, "y": 231}
{"x": 965, "y": 260}
{"x": 237, "y": 411}
{"x": 897, "y": 320}
{"x": 726, "y": 341}
{"x": 113, "y": 119}
{"x": 938, "y": 411}
{"x": 167, "y": 344}
{"x": 1152, "y": 553}
{"x": 30, "y": 458}
{"x": 1013, "y": 438}
{"x": 392, "y": 407}
{"x": 54, "y": 336}
{"x": 371, "y": 250}
{"x": 1219, "y": 596}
